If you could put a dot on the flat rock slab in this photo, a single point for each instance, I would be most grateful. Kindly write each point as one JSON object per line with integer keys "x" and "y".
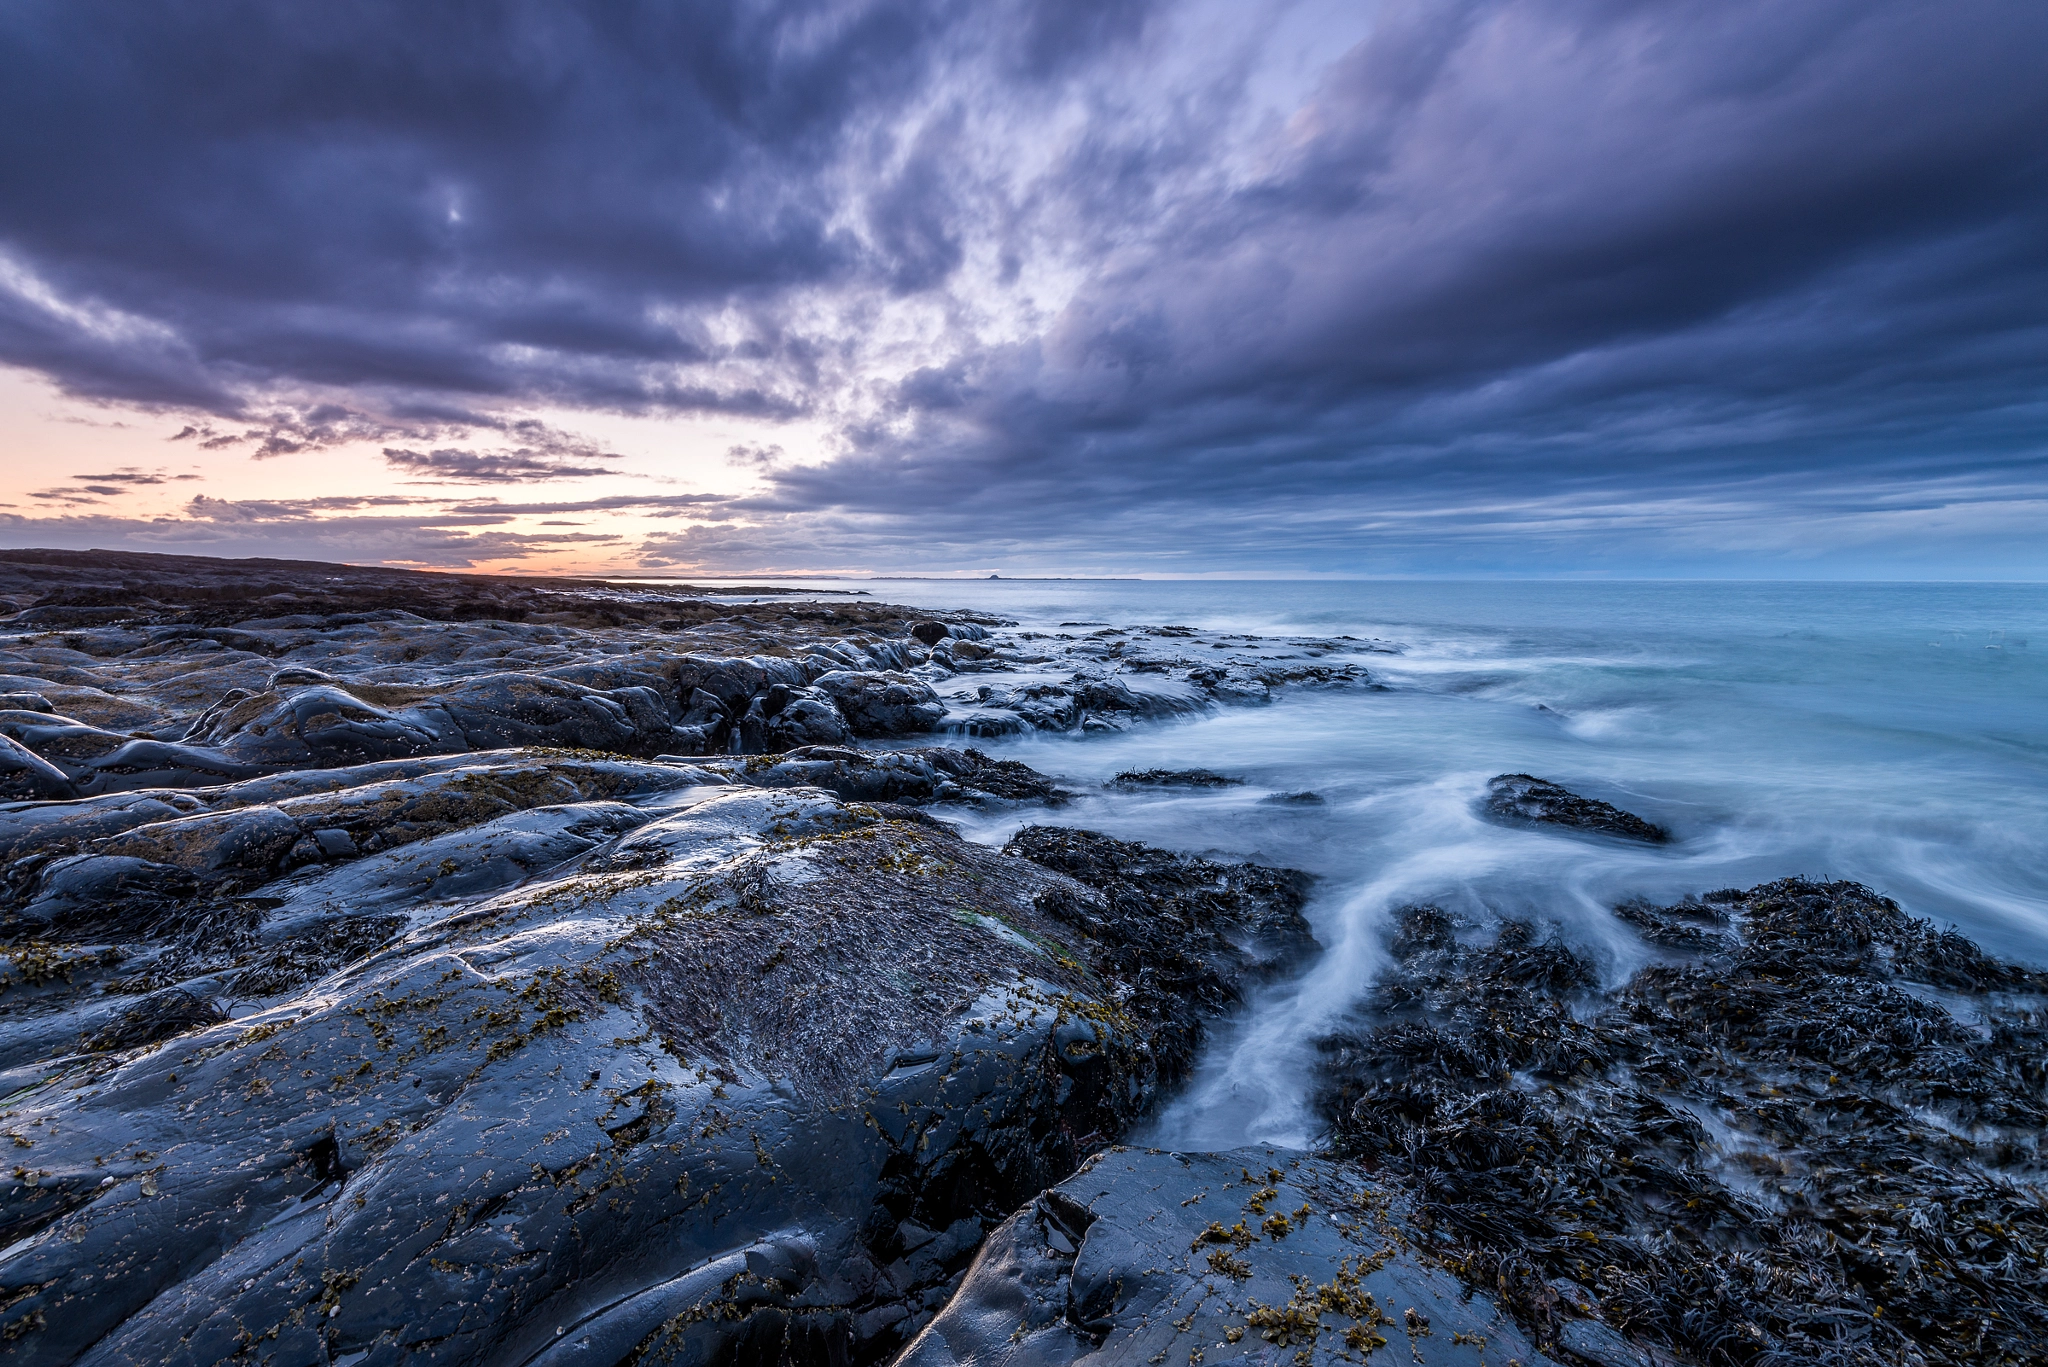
{"x": 1257, "y": 1255}
{"x": 723, "y": 1075}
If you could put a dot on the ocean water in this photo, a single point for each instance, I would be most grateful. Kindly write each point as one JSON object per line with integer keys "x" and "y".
{"x": 1895, "y": 734}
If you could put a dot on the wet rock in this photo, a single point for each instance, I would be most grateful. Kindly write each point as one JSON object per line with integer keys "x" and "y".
{"x": 299, "y": 674}
{"x": 472, "y": 861}
{"x": 807, "y": 717}
{"x": 930, "y": 774}
{"x": 882, "y": 704}
{"x": 760, "y": 1071}
{"x": 316, "y": 726}
{"x": 45, "y": 616}
{"x": 64, "y": 741}
{"x": 157, "y": 1016}
{"x": 1092, "y": 703}
{"x": 229, "y": 670}
{"x": 1041, "y": 706}
{"x": 484, "y": 664}
{"x": 985, "y": 723}
{"x": 567, "y": 1025}
{"x": 231, "y": 840}
{"x": 1250, "y": 1256}
{"x": 26, "y": 774}
{"x": 99, "y": 761}
{"x": 1239, "y": 686}
{"x": 1523, "y": 800}
{"x": 1295, "y": 799}
{"x": 322, "y": 725}
{"x": 932, "y": 633}
{"x": 518, "y": 709}
{"x": 1175, "y": 778}
{"x": 393, "y": 803}
{"x": 108, "y": 895}
{"x": 1114, "y": 696}
{"x": 92, "y": 706}
{"x": 1601, "y": 1346}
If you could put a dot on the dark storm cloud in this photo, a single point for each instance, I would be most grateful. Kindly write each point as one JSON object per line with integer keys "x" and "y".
{"x": 477, "y": 200}
{"x": 1545, "y": 279}
{"x": 1564, "y": 257}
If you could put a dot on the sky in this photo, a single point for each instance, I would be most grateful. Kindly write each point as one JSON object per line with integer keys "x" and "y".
{"x": 1609, "y": 288}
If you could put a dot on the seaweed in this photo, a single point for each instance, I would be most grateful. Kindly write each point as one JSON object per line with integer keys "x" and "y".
{"x": 1181, "y": 932}
{"x": 1784, "y": 1149}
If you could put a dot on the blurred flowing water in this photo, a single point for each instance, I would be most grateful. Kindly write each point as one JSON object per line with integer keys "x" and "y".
{"x": 1895, "y": 734}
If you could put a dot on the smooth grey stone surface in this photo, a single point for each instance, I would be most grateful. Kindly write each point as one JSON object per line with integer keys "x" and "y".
{"x": 1257, "y": 1255}
{"x": 669, "y": 1075}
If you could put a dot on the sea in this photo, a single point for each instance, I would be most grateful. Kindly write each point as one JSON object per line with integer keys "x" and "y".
{"x": 1893, "y": 734}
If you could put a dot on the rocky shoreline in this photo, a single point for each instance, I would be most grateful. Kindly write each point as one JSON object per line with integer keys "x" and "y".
{"x": 409, "y": 968}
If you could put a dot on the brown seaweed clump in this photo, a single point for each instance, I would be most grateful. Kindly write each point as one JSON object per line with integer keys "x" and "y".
{"x": 1181, "y": 932}
{"x": 1815, "y": 1140}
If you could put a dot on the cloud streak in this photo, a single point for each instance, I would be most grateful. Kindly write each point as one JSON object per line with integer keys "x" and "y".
{"x": 371, "y": 529}
{"x": 456, "y": 466}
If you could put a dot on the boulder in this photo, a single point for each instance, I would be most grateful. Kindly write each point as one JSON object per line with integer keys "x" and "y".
{"x": 985, "y": 722}
{"x": 1236, "y": 685}
{"x": 931, "y": 633}
{"x": 800, "y": 717}
{"x": 882, "y": 704}
{"x": 1044, "y": 706}
{"x": 501, "y": 710}
{"x": 309, "y": 725}
{"x": 1175, "y": 778}
{"x": 1524, "y": 800}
